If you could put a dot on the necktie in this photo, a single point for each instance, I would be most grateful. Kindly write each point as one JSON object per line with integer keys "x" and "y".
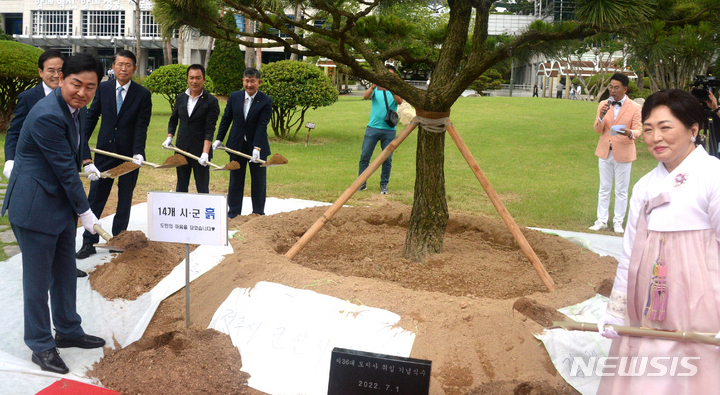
{"x": 76, "y": 120}
{"x": 119, "y": 98}
{"x": 248, "y": 102}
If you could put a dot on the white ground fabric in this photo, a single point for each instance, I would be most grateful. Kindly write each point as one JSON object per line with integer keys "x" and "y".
{"x": 281, "y": 329}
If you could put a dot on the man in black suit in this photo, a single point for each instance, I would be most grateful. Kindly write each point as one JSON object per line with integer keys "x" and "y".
{"x": 249, "y": 112}
{"x": 125, "y": 107}
{"x": 44, "y": 197}
{"x": 198, "y": 112}
{"x": 49, "y": 67}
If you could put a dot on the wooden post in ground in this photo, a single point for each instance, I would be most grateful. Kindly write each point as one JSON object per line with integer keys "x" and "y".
{"x": 292, "y": 252}
{"x": 500, "y": 207}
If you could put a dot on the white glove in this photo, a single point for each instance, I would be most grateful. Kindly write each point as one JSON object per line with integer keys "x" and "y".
{"x": 203, "y": 159}
{"x": 256, "y": 155}
{"x": 7, "y": 170}
{"x": 88, "y": 219}
{"x": 216, "y": 144}
{"x": 138, "y": 159}
{"x": 609, "y": 332}
{"x": 94, "y": 172}
{"x": 167, "y": 143}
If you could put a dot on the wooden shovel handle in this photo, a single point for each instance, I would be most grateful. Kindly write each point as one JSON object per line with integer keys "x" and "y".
{"x": 105, "y": 235}
{"x": 238, "y": 153}
{"x": 122, "y": 157}
{"x": 102, "y": 175}
{"x": 189, "y": 155}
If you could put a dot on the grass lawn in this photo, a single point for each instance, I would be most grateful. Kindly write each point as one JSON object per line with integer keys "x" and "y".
{"x": 537, "y": 153}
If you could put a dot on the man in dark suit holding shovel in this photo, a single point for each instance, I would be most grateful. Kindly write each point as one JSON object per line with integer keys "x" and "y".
{"x": 125, "y": 107}
{"x": 197, "y": 112}
{"x": 44, "y": 197}
{"x": 249, "y": 112}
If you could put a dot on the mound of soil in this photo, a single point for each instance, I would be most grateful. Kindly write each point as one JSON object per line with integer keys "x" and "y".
{"x": 137, "y": 270}
{"x": 459, "y": 303}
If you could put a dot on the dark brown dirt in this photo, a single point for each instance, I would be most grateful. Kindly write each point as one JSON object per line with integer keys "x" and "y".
{"x": 126, "y": 167}
{"x": 176, "y": 159}
{"x": 543, "y": 315}
{"x": 129, "y": 240}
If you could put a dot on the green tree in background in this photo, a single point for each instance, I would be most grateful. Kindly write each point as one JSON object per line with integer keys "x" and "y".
{"x": 294, "y": 88}
{"x": 18, "y": 72}
{"x": 4, "y": 36}
{"x": 227, "y": 63}
{"x": 170, "y": 81}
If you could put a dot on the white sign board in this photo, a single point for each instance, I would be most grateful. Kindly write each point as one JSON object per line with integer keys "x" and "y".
{"x": 190, "y": 218}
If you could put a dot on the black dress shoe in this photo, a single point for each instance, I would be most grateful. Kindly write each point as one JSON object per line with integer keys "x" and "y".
{"x": 84, "y": 341}
{"x": 85, "y": 251}
{"x": 81, "y": 273}
{"x": 50, "y": 361}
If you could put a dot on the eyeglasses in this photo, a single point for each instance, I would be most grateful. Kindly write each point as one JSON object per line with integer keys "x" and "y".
{"x": 614, "y": 88}
{"x": 124, "y": 65}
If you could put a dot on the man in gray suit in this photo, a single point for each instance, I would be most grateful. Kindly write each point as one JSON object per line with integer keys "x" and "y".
{"x": 43, "y": 199}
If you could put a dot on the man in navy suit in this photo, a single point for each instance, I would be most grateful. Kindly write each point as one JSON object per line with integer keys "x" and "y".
{"x": 125, "y": 107}
{"x": 249, "y": 112}
{"x": 198, "y": 112}
{"x": 49, "y": 67}
{"x": 43, "y": 199}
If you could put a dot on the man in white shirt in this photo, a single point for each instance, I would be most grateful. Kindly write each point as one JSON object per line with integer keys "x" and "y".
{"x": 197, "y": 112}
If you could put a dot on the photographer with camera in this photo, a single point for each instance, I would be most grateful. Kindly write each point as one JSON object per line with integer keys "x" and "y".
{"x": 702, "y": 89}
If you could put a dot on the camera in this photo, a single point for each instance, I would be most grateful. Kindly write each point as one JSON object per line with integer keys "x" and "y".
{"x": 702, "y": 84}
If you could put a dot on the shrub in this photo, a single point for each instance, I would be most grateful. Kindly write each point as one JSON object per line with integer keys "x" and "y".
{"x": 171, "y": 80}
{"x": 18, "y": 72}
{"x": 227, "y": 63}
{"x": 489, "y": 80}
{"x": 294, "y": 88}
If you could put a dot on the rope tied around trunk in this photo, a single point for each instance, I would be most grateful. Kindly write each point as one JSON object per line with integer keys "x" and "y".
{"x": 433, "y": 122}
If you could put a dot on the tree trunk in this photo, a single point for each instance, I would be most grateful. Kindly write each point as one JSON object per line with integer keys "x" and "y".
{"x": 138, "y": 34}
{"x": 211, "y": 41}
{"x": 298, "y": 14}
{"x": 426, "y": 230}
{"x": 181, "y": 45}
{"x": 249, "y": 52}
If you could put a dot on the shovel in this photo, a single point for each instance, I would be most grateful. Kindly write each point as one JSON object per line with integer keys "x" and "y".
{"x": 122, "y": 157}
{"x": 230, "y": 166}
{"x": 275, "y": 160}
{"x": 115, "y": 172}
{"x": 105, "y": 235}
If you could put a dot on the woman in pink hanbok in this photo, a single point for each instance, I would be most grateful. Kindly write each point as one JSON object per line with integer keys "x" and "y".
{"x": 668, "y": 277}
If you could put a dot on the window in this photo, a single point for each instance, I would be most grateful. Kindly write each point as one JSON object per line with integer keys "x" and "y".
{"x": 148, "y": 26}
{"x": 55, "y": 23}
{"x": 103, "y": 23}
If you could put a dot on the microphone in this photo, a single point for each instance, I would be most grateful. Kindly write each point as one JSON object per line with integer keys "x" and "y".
{"x": 609, "y": 104}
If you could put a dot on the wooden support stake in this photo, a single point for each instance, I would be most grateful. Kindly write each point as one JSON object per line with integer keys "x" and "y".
{"x": 495, "y": 199}
{"x": 349, "y": 192}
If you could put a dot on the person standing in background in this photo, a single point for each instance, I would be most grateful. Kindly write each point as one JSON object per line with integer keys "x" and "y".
{"x": 125, "y": 107}
{"x": 378, "y": 130}
{"x": 615, "y": 152}
{"x": 249, "y": 111}
{"x": 197, "y": 112}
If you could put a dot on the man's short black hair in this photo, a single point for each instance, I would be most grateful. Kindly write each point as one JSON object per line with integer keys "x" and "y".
{"x": 80, "y": 62}
{"x": 391, "y": 68}
{"x": 125, "y": 54}
{"x": 621, "y": 78}
{"x": 47, "y": 55}
{"x": 195, "y": 66}
{"x": 252, "y": 72}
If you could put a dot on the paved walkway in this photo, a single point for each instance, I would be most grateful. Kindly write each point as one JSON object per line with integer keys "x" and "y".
{"x": 6, "y": 234}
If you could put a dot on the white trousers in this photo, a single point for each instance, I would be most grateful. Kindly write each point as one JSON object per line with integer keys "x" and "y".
{"x": 609, "y": 168}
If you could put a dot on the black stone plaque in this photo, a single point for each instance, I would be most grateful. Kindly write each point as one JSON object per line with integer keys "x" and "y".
{"x": 359, "y": 373}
